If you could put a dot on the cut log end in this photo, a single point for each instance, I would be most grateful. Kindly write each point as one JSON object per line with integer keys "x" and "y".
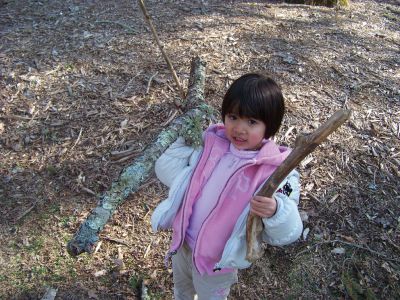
{"x": 75, "y": 248}
{"x": 254, "y": 227}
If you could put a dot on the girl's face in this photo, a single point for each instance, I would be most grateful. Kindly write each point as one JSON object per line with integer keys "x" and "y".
{"x": 244, "y": 133}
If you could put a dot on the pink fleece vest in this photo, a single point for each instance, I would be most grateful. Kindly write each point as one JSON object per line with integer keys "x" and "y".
{"x": 219, "y": 225}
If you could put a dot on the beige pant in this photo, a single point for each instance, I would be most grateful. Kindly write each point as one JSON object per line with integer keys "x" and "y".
{"x": 188, "y": 282}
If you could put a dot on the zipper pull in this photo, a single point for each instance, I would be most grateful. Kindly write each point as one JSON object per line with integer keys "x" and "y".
{"x": 217, "y": 268}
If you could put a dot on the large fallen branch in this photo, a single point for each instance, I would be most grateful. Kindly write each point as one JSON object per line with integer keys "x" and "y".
{"x": 133, "y": 176}
{"x": 304, "y": 145}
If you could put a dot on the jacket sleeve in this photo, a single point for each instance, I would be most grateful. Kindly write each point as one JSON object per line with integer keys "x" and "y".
{"x": 173, "y": 161}
{"x": 174, "y": 168}
{"x": 285, "y": 226}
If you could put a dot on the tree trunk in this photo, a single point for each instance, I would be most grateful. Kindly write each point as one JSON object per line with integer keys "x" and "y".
{"x": 133, "y": 176}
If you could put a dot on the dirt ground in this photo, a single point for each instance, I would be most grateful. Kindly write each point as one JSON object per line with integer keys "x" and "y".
{"x": 81, "y": 79}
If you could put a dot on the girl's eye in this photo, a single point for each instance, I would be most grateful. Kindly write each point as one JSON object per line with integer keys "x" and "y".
{"x": 252, "y": 122}
{"x": 232, "y": 117}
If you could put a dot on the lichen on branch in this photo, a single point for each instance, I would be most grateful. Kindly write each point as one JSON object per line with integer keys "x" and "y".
{"x": 193, "y": 125}
{"x": 133, "y": 176}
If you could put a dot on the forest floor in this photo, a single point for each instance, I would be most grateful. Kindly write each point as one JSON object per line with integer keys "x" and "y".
{"x": 81, "y": 79}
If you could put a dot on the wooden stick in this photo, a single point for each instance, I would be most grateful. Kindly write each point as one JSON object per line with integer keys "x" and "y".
{"x": 126, "y": 27}
{"x": 16, "y": 117}
{"x": 27, "y": 211}
{"x": 153, "y": 30}
{"x": 304, "y": 145}
{"x": 149, "y": 83}
{"x": 115, "y": 240}
{"x": 77, "y": 140}
{"x": 116, "y": 155}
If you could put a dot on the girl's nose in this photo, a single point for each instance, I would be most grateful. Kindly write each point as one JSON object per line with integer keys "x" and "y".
{"x": 240, "y": 127}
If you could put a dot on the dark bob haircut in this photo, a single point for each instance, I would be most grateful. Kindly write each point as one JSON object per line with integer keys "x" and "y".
{"x": 258, "y": 97}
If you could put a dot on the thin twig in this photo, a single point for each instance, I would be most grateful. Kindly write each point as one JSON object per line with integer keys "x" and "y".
{"x": 366, "y": 248}
{"x": 98, "y": 247}
{"x": 128, "y": 84}
{"x": 77, "y": 140}
{"x": 115, "y": 155}
{"x": 393, "y": 244}
{"x": 170, "y": 118}
{"x": 147, "y": 250}
{"x": 87, "y": 190}
{"x": 147, "y": 184}
{"x": 149, "y": 83}
{"x": 16, "y": 117}
{"x": 126, "y": 27}
{"x": 125, "y": 158}
{"x": 153, "y": 30}
{"x": 27, "y": 211}
{"x": 115, "y": 240}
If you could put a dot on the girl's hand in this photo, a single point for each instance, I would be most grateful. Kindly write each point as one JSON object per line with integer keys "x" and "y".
{"x": 263, "y": 206}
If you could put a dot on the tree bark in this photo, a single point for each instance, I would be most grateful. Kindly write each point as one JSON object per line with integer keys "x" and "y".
{"x": 133, "y": 176}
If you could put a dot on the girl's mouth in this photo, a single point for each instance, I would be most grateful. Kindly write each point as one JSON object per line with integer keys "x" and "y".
{"x": 239, "y": 140}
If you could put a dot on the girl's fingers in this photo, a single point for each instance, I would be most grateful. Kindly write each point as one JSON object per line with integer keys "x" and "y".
{"x": 263, "y": 206}
{"x": 261, "y": 199}
{"x": 262, "y": 214}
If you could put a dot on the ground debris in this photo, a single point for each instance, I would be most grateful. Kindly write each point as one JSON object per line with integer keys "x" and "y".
{"x": 75, "y": 94}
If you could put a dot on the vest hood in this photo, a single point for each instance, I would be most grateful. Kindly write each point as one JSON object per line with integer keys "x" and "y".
{"x": 270, "y": 153}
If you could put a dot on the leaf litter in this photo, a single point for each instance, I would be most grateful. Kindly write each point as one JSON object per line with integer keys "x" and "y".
{"x": 83, "y": 86}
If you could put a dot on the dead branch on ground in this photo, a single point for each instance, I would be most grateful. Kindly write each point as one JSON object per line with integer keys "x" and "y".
{"x": 135, "y": 175}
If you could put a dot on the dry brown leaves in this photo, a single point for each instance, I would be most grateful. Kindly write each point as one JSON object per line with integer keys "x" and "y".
{"x": 81, "y": 83}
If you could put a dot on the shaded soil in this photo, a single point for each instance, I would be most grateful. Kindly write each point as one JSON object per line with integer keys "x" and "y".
{"x": 79, "y": 80}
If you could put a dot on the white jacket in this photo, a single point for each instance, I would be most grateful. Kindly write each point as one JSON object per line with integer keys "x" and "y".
{"x": 174, "y": 169}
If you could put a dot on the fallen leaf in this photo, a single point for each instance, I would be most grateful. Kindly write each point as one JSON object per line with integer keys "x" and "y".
{"x": 124, "y": 123}
{"x": 303, "y": 215}
{"x": 306, "y": 161}
{"x": 347, "y": 238}
{"x": 305, "y": 233}
{"x": 100, "y": 273}
{"x": 87, "y": 35}
{"x": 338, "y": 250}
{"x": 334, "y": 198}
{"x": 309, "y": 186}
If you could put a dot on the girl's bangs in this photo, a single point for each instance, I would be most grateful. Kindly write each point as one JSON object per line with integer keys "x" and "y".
{"x": 249, "y": 108}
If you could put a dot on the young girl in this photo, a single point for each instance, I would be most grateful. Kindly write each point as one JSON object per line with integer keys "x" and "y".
{"x": 212, "y": 191}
